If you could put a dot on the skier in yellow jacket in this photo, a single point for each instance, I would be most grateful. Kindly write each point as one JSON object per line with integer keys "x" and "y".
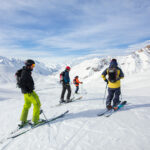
{"x": 114, "y": 75}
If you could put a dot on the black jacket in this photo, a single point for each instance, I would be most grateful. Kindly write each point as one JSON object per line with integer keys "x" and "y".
{"x": 26, "y": 81}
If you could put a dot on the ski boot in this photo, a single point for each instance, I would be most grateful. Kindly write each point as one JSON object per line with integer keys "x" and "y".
{"x": 115, "y": 106}
{"x": 62, "y": 101}
{"x": 36, "y": 123}
{"x": 22, "y": 124}
{"x": 109, "y": 107}
{"x": 68, "y": 100}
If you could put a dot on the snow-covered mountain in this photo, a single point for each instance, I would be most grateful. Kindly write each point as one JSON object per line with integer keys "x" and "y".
{"x": 137, "y": 61}
{"x": 8, "y": 67}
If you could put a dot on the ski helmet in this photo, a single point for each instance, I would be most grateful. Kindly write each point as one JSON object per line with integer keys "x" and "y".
{"x": 68, "y": 68}
{"x": 76, "y": 76}
{"x": 114, "y": 60}
{"x": 29, "y": 62}
{"x": 113, "y": 63}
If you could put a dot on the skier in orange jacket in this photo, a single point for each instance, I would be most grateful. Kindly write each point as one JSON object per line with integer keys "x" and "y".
{"x": 77, "y": 82}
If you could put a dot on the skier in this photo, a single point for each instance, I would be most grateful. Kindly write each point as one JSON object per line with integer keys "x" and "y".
{"x": 65, "y": 85}
{"x": 77, "y": 82}
{"x": 114, "y": 75}
{"x": 26, "y": 84}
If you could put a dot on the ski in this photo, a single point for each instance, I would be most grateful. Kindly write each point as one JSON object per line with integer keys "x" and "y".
{"x": 19, "y": 128}
{"x": 15, "y": 133}
{"x": 103, "y": 112}
{"x": 78, "y": 98}
{"x": 71, "y": 100}
{"x": 119, "y": 107}
{"x": 109, "y": 113}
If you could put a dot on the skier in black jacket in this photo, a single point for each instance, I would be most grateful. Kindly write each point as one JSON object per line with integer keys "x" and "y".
{"x": 30, "y": 97}
{"x": 66, "y": 85}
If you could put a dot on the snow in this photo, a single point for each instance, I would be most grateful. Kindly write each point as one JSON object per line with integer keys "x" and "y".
{"x": 81, "y": 129}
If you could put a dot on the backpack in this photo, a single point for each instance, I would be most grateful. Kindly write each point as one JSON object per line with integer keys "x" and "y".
{"x": 112, "y": 74}
{"x": 18, "y": 76}
{"x": 62, "y": 76}
{"x": 74, "y": 81}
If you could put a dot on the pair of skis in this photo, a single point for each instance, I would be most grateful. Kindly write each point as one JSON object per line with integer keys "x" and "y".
{"x": 108, "y": 113}
{"x": 71, "y": 100}
{"x": 19, "y": 131}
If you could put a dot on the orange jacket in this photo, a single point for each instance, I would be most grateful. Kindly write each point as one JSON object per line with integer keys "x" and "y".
{"x": 77, "y": 82}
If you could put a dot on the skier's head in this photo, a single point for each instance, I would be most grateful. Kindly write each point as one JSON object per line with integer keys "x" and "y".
{"x": 113, "y": 63}
{"x": 68, "y": 68}
{"x": 76, "y": 77}
{"x": 30, "y": 63}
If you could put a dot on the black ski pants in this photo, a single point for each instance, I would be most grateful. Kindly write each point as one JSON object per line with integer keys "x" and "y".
{"x": 113, "y": 94}
{"x": 68, "y": 88}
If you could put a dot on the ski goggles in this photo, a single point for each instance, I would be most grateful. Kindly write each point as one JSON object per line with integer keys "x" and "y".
{"x": 33, "y": 65}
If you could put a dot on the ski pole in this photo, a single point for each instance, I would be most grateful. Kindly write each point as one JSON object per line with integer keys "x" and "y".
{"x": 48, "y": 124}
{"x": 45, "y": 118}
{"x": 105, "y": 93}
{"x": 81, "y": 89}
{"x": 121, "y": 94}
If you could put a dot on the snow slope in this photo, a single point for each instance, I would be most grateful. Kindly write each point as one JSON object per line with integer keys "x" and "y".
{"x": 81, "y": 129}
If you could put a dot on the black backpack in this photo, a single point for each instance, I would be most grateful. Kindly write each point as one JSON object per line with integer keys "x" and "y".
{"x": 18, "y": 76}
{"x": 112, "y": 74}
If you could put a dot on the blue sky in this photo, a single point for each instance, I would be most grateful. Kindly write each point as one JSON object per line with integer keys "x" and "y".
{"x": 72, "y": 28}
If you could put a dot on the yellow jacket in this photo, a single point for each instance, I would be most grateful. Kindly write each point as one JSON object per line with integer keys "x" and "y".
{"x": 119, "y": 76}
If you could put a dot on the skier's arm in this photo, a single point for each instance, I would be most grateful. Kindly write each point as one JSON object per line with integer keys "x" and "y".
{"x": 104, "y": 74}
{"x": 121, "y": 74}
{"x": 78, "y": 81}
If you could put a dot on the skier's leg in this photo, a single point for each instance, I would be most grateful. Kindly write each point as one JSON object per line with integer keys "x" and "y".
{"x": 116, "y": 97}
{"x": 26, "y": 107}
{"x": 69, "y": 92}
{"x": 36, "y": 107}
{"x": 63, "y": 92}
{"x": 37, "y": 98}
{"x": 109, "y": 97}
{"x": 76, "y": 91}
{"x": 77, "y": 88}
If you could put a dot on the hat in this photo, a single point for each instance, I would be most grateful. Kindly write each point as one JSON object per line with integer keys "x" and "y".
{"x": 29, "y": 62}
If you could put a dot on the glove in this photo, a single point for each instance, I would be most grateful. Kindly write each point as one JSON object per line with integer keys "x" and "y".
{"x": 106, "y": 81}
{"x": 67, "y": 84}
{"x": 81, "y": 82}
{"x": 61, "y": 81}
{"x": 118, "y": 78}
{"x": 41, "y": 111}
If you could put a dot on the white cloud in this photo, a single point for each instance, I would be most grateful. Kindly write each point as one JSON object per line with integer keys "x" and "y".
{"x": 69, "y": 26}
